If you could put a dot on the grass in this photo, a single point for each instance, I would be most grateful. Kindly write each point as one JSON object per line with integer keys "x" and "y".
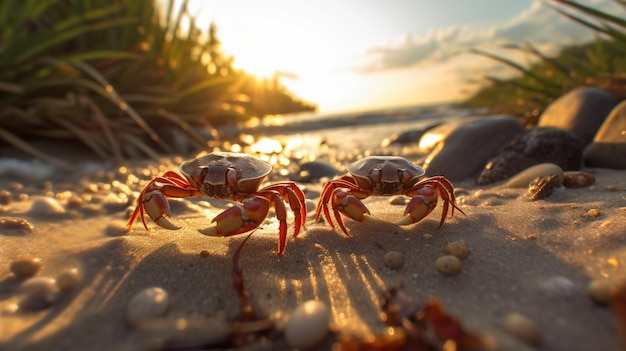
{"x": 112, "y": 74}
{"x": 599, "y": 63}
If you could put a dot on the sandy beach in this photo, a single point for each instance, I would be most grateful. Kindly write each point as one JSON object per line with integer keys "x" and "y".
{"x": 533, "y": 258}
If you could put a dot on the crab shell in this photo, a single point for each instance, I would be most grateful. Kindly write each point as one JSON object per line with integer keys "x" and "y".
{"x": 385, "y": 175}
{"x": 226, "y": 175}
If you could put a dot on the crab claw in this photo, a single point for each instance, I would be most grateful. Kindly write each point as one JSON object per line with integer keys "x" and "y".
{"x": 420, "y": 206}
{"x": 239, "y": 218}
{"x": 158, "y": 208}
{"x": 349, "y": 205}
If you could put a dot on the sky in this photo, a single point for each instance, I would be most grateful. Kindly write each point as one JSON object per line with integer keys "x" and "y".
{"x": 352, "y": 55}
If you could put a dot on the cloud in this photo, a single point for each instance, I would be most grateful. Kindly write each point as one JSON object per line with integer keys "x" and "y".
{"x": 539, "y": 25}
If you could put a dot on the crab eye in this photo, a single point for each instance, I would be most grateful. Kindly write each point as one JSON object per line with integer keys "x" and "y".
{"x": 199, "y": 175}
{"x": 231, "y": 177}
{"x": 404, "y": 176}
{"x": 375, "y": 175}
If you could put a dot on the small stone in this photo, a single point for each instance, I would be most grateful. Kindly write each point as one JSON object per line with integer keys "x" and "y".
{"x": 26, "y": 267}
{"x": 38, "y": 293}
{"x": 205, "y": 253}
{"x": 15, "y": 224}
{"x": 69, "y": 280}
{"x": 5, "y": 197}
{"x": 308, "y": 325}
{"x": 458, "y": 249}
{"x": 522, "y": 328}
{"x": 427, "y": 236}
{"x": 600, "y": 291}
{"x": 46, "y": 206}
{"x": 594, "y": 212}
{"x": 448, "y": 265}
{"x": 394, "y": 259}
{"x": 397, "y": 200}
{"x": 578, "y": 179}
{"x": 149, "y": 303}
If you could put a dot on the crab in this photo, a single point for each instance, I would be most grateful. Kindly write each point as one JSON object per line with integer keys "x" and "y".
{"x": 384, "y": 176}
{"x": 230, "y": 176}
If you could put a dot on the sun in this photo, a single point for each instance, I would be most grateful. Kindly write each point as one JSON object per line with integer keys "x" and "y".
{"x": 259, "y": 66}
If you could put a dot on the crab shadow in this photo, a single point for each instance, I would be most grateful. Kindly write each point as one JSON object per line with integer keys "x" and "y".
{"x": 347, "y": 273}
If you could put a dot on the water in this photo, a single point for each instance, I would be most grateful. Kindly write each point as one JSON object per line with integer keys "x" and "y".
{"x": 359, "y": 133}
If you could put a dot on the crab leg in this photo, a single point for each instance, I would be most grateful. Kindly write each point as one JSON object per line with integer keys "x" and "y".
{"x": 425, "y": 194}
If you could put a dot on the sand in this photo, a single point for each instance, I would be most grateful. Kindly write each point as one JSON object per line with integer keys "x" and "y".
{"x": 534, "y": 258}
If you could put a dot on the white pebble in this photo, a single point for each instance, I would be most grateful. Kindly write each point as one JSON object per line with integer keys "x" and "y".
{"x": 69, "y": 280}
{"x": 398, "y": 200}
{"x": 308, "y": 325}
{"x": 523, "y": 178}
{"x": 26, "y": 267}
{"x": 601, "y": 290}
{"x": 394, "y": 259}
{"x": 38, "y": 293}
{"x": 46, "y": 206}
{"x": 522, "y": 328}
{"x": 448, "y": 265}
{"x": 149, "y": 303}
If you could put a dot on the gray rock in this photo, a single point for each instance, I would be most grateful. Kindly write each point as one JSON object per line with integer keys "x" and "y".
{"x": 535, "y": 146}
{"x": 312, "y": 172}
{"x": 580, "y": 111}
{"x": 463, "y": 147}
{"x": 608, "y": 149}
{"x": 408, "y": 137}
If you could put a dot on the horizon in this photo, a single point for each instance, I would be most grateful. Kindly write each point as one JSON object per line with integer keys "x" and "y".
{"x": 415, "y": 55}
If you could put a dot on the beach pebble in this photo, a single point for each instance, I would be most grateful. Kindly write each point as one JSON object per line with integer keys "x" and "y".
{"x": 608, "y": 149}
{"x": 8, "y": 224}
{"x": 68, "y": 280}
{"x": 394, "y": 259}
{"x": 448, "y": 265}
{"x": 458, "y": 249}
{"x": 37, "y": 293}
{"x": 580, "y": 111}
{"x": 44, "y": 206}
{"x": 532, "y": 147}
{"x": 397, "y": 200}
{"x": 149, "y": 303}
{"x": 522, "y": 328}
{"x": 601, "y": 290}
{"x": 26, "y": 267}
{"x": 312, "y": 172}
{"x": 578, "y": 179}
{"x": 594, "y": 212}
{"x": 470, "y": 143}
{"x": 409, "y": 136}
{"x": 5, "y": 197}
{"x": 523, "y": 178}
{"x": 308, "y": 325}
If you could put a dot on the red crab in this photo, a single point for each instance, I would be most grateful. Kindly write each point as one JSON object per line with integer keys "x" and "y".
{"x": 230, "y": 176}
{"x": 384, "y": 176}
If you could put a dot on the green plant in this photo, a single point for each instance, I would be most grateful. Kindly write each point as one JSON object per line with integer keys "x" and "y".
{"x": 596, "y": 63}
{"x": 111, "y": 74}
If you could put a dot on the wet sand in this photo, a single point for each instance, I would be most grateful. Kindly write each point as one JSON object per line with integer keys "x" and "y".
{"x": 534, "y": 258}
